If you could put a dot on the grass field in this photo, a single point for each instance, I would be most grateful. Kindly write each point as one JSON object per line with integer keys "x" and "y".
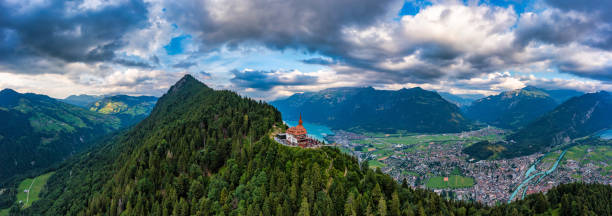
{"x": 376, "y": 164}
{"x": 36, "y": 184}
{"x": 454, "y": 181}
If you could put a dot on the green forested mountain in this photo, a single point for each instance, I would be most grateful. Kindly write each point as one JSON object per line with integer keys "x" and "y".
{"x": 413, "y": 110}
{"x": 130, "y": 109}
{"x": 207, "y": 152}
{"x": 512, "y": 109}
{"x": 576, "y": 118}
{"x": 36, "y": 131}
{"x": 81, "y": 100}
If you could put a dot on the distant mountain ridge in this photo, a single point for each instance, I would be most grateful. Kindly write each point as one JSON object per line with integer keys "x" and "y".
{"x": 37, "y": 131}
{"x": 512, "y": 109}
{"x": 461, "y": 100}
{"x": 413, "y": 110}
{"x": 578, "y": 117}
{"x": 82, "y": 100}
{"x": 130, "y": 109}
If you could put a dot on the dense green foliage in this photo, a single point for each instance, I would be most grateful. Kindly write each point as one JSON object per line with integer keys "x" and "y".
{"x": 512, "y": 109}
{"x": 576, "y": 118}
{"x": 37, "y": 131}
{"x": 206, "y": 152}
{"x": 412, "y": 110}
{"x": 130, "y": 109}
{"x": 568, "y": 199}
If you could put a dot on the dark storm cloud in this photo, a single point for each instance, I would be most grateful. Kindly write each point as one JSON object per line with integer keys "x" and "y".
{"x": 266, "y": 80}
{"x": 598, "y": 10}
{"x": 603, "y": 74}
{"x": 63, "y": 30}
{"x": 314, "y": 25}
{"x": 553, "y": 27}
{"x": 594, "y": 7}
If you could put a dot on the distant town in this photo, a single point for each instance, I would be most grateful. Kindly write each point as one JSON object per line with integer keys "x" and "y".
{"x": 437, "y": 162}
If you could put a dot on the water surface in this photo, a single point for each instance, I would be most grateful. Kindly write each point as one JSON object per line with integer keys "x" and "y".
{"x": 607, "y": 134}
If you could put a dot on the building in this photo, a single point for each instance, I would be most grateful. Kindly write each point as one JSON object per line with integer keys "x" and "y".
{"x": 297, "y": 136}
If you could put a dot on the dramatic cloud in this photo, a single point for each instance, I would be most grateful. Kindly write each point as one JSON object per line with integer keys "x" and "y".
{"x": 598, "y": 12}
{"x": 266, "y": 80}
{"x": 272, "y": 48}
{"x": 314, "y": 25}
{"x": 72, "y": 31}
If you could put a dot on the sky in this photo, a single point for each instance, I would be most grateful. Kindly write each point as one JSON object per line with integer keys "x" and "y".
{"x": 270, "y": 49}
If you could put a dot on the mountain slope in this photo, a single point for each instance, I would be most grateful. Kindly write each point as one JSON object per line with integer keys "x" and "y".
{"x": 413, "y": 110}
{"x": 461, "y": 100}
{"x": 130, "y": 109}
{"x": 82, "y": 100}
{"x": 37, "y": 131}
{"x": 577, "y": 117}
{"x": 562, "y": 95}
{"x": 206, "y": 152}
{"x": 512, "y": 109}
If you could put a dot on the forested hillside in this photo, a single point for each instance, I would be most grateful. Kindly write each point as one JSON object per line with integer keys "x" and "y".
{"x": 37, "y": 131}
{"x": 207, "y": 152}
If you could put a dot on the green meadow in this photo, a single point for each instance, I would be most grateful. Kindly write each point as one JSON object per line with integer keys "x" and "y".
{"x": 454, "y": 181}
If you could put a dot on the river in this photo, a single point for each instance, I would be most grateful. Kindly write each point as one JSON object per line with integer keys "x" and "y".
{"x": 542, "y": 174}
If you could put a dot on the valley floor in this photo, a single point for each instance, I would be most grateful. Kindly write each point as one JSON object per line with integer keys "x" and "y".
{"x": 435, "y": 161}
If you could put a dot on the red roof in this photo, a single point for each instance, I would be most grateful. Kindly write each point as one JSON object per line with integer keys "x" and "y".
{"x": 297, "y": 130}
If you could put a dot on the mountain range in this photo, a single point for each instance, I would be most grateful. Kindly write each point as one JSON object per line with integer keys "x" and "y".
{"x": 517, "y": 108}
{"x": 207, "y": 152}
{"x": 576, "y": 118}
{"x": 461, "y": 100}
{"x": 37, "y": 131}
{"x": 82, "y": 100}
{"x": 412, "y": 110}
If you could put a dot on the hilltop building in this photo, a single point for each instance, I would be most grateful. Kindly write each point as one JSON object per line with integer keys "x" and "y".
{"x": 297, "y": 136}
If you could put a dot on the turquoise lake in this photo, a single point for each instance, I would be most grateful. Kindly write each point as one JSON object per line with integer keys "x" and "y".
{"x": 315, "y": 130}
{"x": 607, "y": 134}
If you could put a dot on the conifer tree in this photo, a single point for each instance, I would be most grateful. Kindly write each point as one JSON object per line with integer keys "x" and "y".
{"x": 304, "y": 208}
{"x": 395, "y": 204}
{"x": 382, "y": 207}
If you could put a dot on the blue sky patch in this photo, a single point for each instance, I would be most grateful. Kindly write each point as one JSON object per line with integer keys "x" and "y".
{"x": 177, "y": 45}
{"x": 412, "y": 7}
